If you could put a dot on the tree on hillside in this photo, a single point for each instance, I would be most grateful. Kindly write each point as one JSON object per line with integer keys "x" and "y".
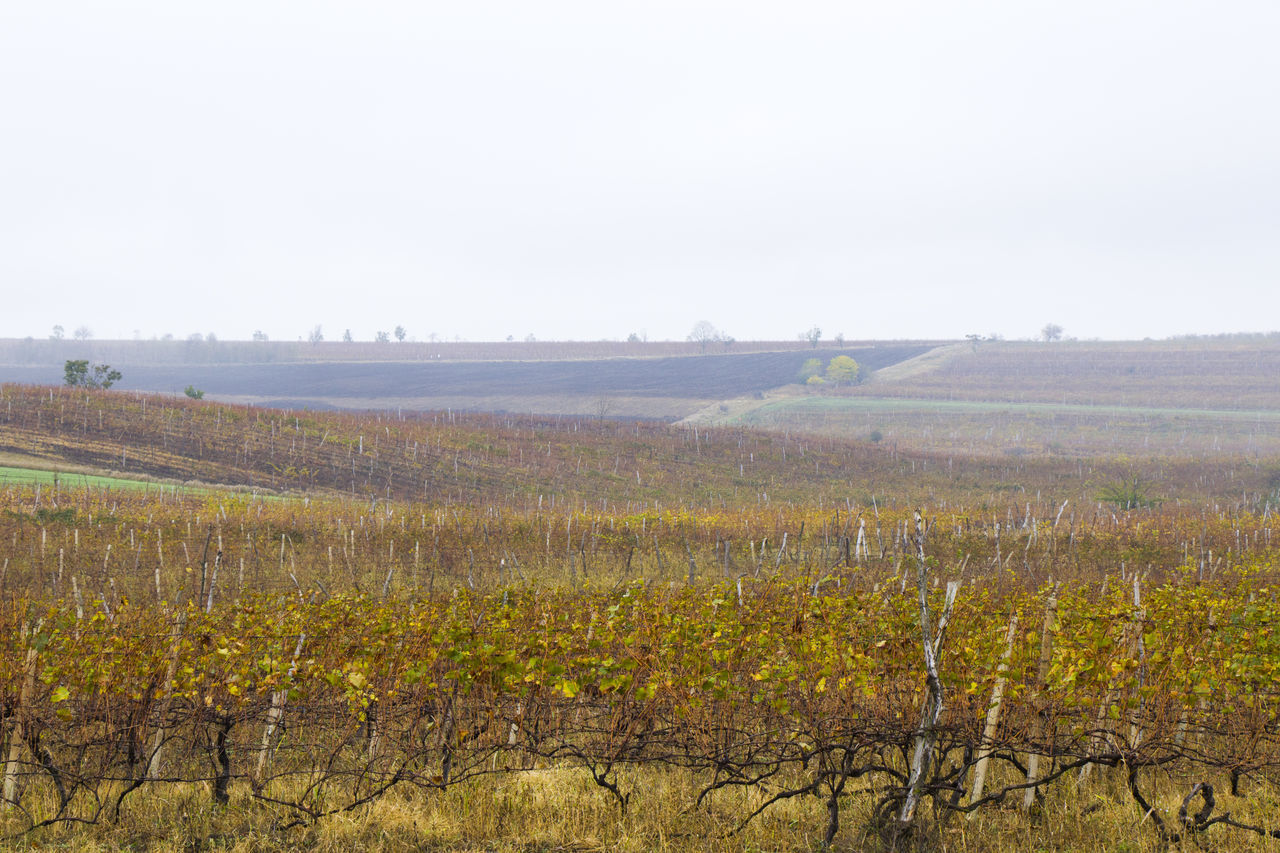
{"x": 316, "y": 335}
{"x": 1051, "y": 332}
{"x": 83, "y": 333}
{"x": 346, "y": 336}
{"x": 400, "y": 333}
{"x": 259, "y": 335}
{"x": 842, "y": 370}
{"x": 58, "y": 332}
{"x": 76, "y": 373}
{"x": 812, "y": 367}
{"x": 812, "y": 336}
{"x": 382, "y": 338}
{"x": 703, "y": 334}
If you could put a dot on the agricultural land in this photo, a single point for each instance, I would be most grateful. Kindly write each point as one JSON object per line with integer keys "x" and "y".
{"x": 988, "y": 596}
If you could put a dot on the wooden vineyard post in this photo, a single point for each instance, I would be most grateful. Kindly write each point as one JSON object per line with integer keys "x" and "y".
{"x": 931, "y": 641}
{"x": 1039, "y": 729}
{"x": 16, "y": 729}
{"x": 274, "y": 715}
{"x": 171, "y": 670}
{"x": 993, "y": 715}
{"x": 1103, "y": 731}
{"x": 1139, "y": 650}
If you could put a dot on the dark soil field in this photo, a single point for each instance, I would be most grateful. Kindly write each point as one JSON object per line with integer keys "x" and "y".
{"x": 640, "y": 387}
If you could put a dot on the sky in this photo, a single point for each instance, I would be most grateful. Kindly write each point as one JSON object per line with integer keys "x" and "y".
{"x": 588, "y": 170}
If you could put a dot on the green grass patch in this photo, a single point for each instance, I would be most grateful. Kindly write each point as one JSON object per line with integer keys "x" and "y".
{"x": 69, "y": 480}
{"x": 820, "y": 405}
{"x": 31, "y": 476}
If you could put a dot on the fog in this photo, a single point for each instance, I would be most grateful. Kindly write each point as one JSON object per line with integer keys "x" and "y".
{"x": 591, "y": 170}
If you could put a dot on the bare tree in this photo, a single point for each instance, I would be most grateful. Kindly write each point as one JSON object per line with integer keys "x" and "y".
{"x": 316, "y": 335}
{"x": 1051, "y": 332}
{"x": 83, "y": 333}
{"x": 704, "y": 333}
{"x": 812, "y": 336}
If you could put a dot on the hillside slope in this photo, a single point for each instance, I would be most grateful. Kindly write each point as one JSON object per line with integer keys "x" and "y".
{"x": 1180, "y": 398}
{"x": 663, "y": 388}
{"x": 469, "y": 458}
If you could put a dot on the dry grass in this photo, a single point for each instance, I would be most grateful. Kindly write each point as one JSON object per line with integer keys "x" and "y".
{"x": 563, "y": 810}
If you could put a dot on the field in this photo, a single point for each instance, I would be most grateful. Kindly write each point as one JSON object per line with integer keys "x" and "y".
{"x": 1186, "y": 398}
{"x": 499, "y": 632}
{"x": 662, "y": 381}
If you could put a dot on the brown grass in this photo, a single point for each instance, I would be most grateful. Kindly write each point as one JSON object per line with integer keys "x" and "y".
{"x": 562, "y": 810}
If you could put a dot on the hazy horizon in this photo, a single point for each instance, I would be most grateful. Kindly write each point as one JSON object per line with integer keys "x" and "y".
{"x": 826, "y": 341}
{"x": 584, "y": 171}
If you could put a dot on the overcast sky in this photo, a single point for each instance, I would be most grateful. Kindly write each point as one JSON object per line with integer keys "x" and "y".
{"x": 585, "y": 170}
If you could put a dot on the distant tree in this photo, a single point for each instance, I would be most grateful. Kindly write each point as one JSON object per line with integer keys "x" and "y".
{"x": 511, "y": 338}
{"x": 346, "y": 336}
{"x": 974, "y": 340}
{"x": 728, "y": 341}
{"x": 195, "y": 338}
{"x": 876, "y": 436}
{"x": 83, "y": 333}
{"x": 529, "y": 338}
{"x": 316, "y": 335}
{"x": 1051, "y": 332}
{"x": 58, "y": 333}
{"x": 839, "y": 339}
{"x": 815, "y": 379}
{"x": 194, "y": 393}
{"x": 812, "y": 336}
{"x": 76, "y": 373}
{"x": 168, "y": 336}
{"x": 400, "y": 333}
{"x": 812, "y": 367}
{"x": 382, "y": 338}
{"x": 633, "y": 338}
{"x": 842, "y": 370}
{"x": 703, "y": 334}
{"x": 259, "y": 335}
{"x": 211, "y": 338}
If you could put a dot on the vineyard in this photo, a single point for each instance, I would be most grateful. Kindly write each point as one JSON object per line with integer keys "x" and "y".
{"x": 1219, "y": 374}
{"x": 1214, "y": 398}
{"x": 722, "y": 640}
